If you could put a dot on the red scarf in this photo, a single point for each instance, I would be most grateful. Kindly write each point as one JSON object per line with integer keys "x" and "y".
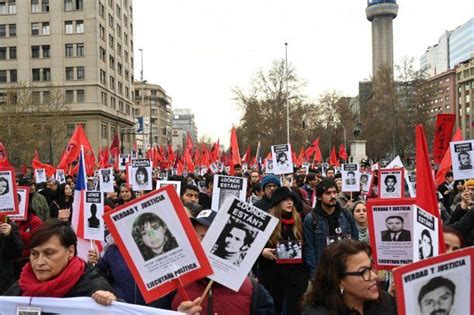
{"x": 57, "y": 287}
{"x": 287, "y": 218}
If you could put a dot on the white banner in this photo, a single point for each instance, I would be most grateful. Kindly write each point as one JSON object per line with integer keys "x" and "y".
{"x": 227, "y": 186}
{"x": 282, "y": 160}
{"x": 75, "y": 306}
{"x": 141, "y": 175}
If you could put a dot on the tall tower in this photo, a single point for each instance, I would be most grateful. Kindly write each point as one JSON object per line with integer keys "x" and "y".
{"x": 381, "y": 13}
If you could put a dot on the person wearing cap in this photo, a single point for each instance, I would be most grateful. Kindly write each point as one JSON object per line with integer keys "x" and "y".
{"x": 269, "y": 183}
{"x": 463, "y": 216}
{"x": 252, "y": 297}
{"x": 281, "y": 268}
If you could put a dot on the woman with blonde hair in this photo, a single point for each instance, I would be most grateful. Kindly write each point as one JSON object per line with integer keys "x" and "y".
{"x": 281, "y": 268}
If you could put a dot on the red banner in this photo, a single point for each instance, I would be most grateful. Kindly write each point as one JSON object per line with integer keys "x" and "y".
{"x": 443, "y": 132}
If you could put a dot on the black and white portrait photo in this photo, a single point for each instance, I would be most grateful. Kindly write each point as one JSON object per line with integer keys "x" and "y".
{"x": 391, "y": 183}
{"x": 105, "y": 173}
{"x": 93, "y": 222}
{"x": 437, "y": 296}
{"x": 152, "y": 236}
{"x": 141, "y": 176}
{"x": 4, "y": 186}
{"x": 40, "y": 175}
{"x": 289, "y": 250}
{"x": 395, "y": 231}
{"x": 60, "y": 177}
{"x": 461, "y": 157}
{"x": 350, "y": 179}
{"x": 281, "y": 158}
{"x": 425, "y": 245}
{"x": 464, "y": 159}
{"x": 234, "y": 241}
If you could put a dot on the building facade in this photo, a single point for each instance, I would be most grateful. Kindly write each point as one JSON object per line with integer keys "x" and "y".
{"x": 465, "y": 103}
{"x": 154, "y": 106}
{"x": 183, "y": 119}
{"x": 84, "y": 48}
{"x": 443, "y": 96}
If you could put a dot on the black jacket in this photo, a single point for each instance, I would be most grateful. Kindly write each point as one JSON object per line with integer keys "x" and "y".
{"x": 464, "y": 223}
{"x": 10, "y": 248}
{"x": 90, "y": 282}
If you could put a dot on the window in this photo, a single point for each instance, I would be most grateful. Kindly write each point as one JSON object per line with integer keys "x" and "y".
{"x": 36, "y": 74}
{"x": 127, "y": 92}
{"x": 35, "y": 7}
{"x": 46, "y": 97}
{"x": 3, "y": 30}
{"x": 102, "y": 31}
{"x": 101, "y": 10}
{"x": 45, "y": 30}
{"x": 12, "y": 52}
{"x": 80, "y": 96}
{"x": 46, "y": 74}
{"x": 121, "y": 106}
{"x": 3, "y": 76}
{"x": 3, "y": 53}
{"x": 69, "y": 73}
{"x": 111, "y": 41}
{"x": 125, "y": 54}
{"x": 118, "y": 11}
{"x": 128, "y": 109}
{"x": 70, "y": 129}
{"x": 45, "y": 6}
{"x": 80, "y": 50}
{"x": 125, "y": 38}
{"x": 102, "y": 77}
{"x": 80, "y": 73}
{"x": 119, "y": 31}
{"x": 72, "y": 5}
{"x": 68, "y": 27}
{"x": 112, "y": 102}
{"x": 13, "y": 77}
{"x": 79, "y": 26}
{"x": 12, "y": 30}
{"x": 46, "y": 50}
{"x": 111, "y": 62}
{"x": 69, "y": 50}
{"x": 103, "y": 98}
{"x": 35, "y": 51}
{"x": 120, "y": 88}
{"x": 102, "y": 54}
{"x": 111, "y": 21}
{"x": 35, "y": 27}
{"x": 11, "y": 6}
{"x": 119, "y": 68}
{"x": 36, "y": 97}
{"x": 69, "y": 96}
{"x": 125, "y": 21}
{"x": 112, "y": 82}
{"x": 104, "y": 131}
{"x": 126, "y": 75}
{"x": 119, "y": 49}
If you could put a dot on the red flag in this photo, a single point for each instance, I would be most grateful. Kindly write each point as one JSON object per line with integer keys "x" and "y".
{"x": 171, "y": 156}
{"x": 188, "y": 161}
{"x": 72, "y": 151}
{"x": 443, "y": 132}
{"x": 318, "y": 157}
{"x": 247, "y": 159}
{"x": 333, "y": 160}
{"x": 301, "y": 156}
{"x": 215, "y": 152}
{"x": 446, "y": 164}
{"x": 189, "y": 144}
{"x": 197, "y": 158}
{"x": 426, "y": 190}
{"x": 295, "y": 159}
{"x": 234, "y": 146}
{"x": 310, "y": 150}
{"x": 115, "y": 146}
{"x": 342, "y": 152}
{"x": 36, "y": 163}
{"x": 206, "y": 157}
{"x": 3, "y": 156}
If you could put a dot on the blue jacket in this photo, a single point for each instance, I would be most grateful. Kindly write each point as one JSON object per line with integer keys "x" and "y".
{"x": 316, "y": 231}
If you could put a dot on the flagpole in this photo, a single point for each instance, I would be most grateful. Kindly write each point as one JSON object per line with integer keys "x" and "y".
{"x": 286, "y": 99}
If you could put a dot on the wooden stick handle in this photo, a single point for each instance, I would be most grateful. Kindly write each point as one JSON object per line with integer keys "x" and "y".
{"x": 203, "y": 296}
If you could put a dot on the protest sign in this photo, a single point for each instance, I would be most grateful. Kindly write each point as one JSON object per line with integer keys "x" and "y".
{"x": 438, "y": 285}
{"x": 235, "y": 239}
{"x": 282, "y": 160}
{"x": 23, "y": 195}
{"x": 461, "y": 157}
{"x": 124, "y": 160}
{"x": 60, "y": 176}
{"x": 366, "y": 178}
{"x": 94, "y": 210}
{"x": 391, "y": 183}
{"x": 176, "y": 184}
{"x": 74, "y": 306}
{"x": 397, "y": 163}
{"x": 8, "y": 196}
{"x": 350, "y": 177}
{"x": 390, "y": 224}
{"x": 40, "y": 175}
{"x": 425, "y": 234}
{"x": 141, "y": 175}
{"x": 268, "y": 166}
{"x": 227, "y": 186}
{"x": 158, "y": 243}
{"x": 412, "y": 184}
{"x": 289, "y": 252}
{"x": 106, "y": 180}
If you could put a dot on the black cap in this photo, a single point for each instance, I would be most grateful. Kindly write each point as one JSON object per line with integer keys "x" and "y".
{"x": 281, "y": 194}
{"x": 205, "y": 217}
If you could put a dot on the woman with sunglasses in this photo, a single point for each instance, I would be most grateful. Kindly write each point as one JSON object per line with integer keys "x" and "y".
{"x": 345, "y": 283}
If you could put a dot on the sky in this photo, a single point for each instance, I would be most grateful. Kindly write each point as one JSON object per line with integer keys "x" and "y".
{"x": 199, "y": 51}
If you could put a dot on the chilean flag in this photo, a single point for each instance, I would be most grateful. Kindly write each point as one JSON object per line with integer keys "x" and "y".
{"x": 79, "y": 197}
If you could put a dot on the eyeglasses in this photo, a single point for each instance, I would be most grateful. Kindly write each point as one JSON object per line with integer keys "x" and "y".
{"x": 365, "y": 273}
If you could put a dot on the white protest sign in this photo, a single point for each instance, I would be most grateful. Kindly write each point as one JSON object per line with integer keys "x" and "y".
{"x": 227, "y": 186}
{"x": 412, "y": 184}
{"x": 124, "y": 159}
{"x": 8, "y": 196}
{"x": 397, "y": 163}
{"x": 75, "y": 306}
{"x": 425, "y": 234}
{"x": 23, "y": 195}
{"x": 350, "y": 177}
{"x": 141, "y": 175}
{"x": 176, "y": 184}
{"x": 93, "y": 212}
{"x": 106, "y": 180}
{"x": 391, "y": 183}
{"x": 282, "y": 160}
{"x": 40, "y": 175}
{"x": 60, "y": 176}
{"x": 366, "y": 181}
{"x": 230, "y": 258}
{"x": 461, "y": 157}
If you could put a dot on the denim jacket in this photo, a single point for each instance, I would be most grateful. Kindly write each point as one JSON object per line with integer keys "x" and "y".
{"x": 315, "y": 240}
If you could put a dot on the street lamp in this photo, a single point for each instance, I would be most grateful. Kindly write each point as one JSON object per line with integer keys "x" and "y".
{"x": 286, "y": 99}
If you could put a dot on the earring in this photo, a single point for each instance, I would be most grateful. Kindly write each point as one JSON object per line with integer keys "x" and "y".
{"x": 341, "y": 290}
{"x": 69, "y": 258}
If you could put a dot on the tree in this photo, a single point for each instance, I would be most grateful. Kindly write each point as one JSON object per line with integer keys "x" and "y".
{"x": 33, "y": 122}
{"x": 264, "y": 109}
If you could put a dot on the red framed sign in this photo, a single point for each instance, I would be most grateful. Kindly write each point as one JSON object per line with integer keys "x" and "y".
{"x": 391, "y": 183}
{"x": 366, "y": 182}
{"x": 390, "y": 224}
{"x": 8, "y": 196}
{"x": 158, "y": 243}
{"x": 438, "y": 285}
{"x": 23, "y": 195}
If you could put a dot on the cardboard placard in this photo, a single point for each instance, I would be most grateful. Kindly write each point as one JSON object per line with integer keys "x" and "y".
{"x": 23, "y": 195}
{"x": 60, "y": 176}
{"x": 106, "y": 179}
{"x": 141, "y": 175}
{"x": 461, "y": 157}
{"x": 158, "y": 242}
{"x": 8, "y": 196}
{"x": 93, "y": 216}
{"x": 438, "y": 285}
{"x": 391, "y": 183}
{"x": 235, "y": 240}
{"x": 282, "y": 159}
{"x": 124, "y": 160}
{"x": 366, "y": 181}
{"x": 176, "y": 184}
{"x": 225, "y": 186}
{"x": 350, "y": 177}
{"x": 40, "y": 175}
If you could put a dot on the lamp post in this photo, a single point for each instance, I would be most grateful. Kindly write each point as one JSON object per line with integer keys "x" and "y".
{"x": 344, "y": 129}
{"x": 286, "y": 98}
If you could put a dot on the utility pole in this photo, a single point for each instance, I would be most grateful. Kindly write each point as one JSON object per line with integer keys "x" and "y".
{"x": 286, "y": 98}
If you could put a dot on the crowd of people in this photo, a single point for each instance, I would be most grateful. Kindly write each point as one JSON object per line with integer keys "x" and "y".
{"x": 322, "y": 230}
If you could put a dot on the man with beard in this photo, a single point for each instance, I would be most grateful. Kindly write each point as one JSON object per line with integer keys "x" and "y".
{"x": 331, "y": 222}
{"x": 437, "y": 296}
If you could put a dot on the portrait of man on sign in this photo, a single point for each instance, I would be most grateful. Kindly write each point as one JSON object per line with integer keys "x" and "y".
{"x": 395, "y": 231}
